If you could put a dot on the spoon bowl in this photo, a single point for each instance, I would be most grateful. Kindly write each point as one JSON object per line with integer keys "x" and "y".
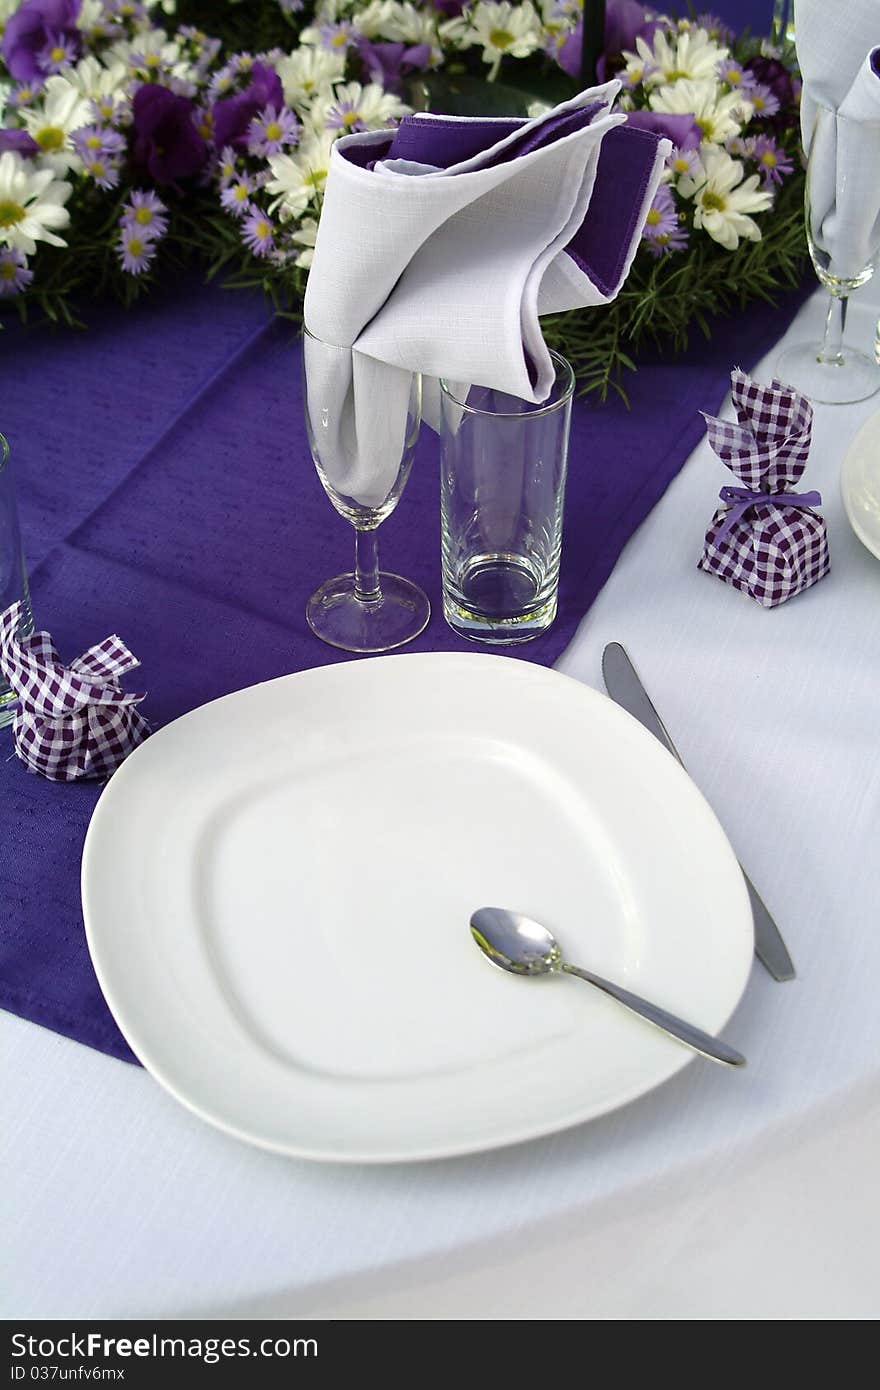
{"x": 523, "y": 946}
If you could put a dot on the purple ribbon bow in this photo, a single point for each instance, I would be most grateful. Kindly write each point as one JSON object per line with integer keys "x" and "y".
{"x": 739, "y": 499}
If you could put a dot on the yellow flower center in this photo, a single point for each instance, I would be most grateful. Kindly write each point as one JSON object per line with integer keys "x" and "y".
{"x": 705, "y": 125}
{"x": 97, "y": 169}
{"x": 135, "y": 246}
{"x": 51, "y": 137}
{"x": 680, "y": 165}
{"x": 8, "y": 270}
{"x": 126, "y": 9}
{"x": 316, "y": 178}
{"x": 712, "y": 202}
{"x": 93, "y": 142}
{"x": 245, "y": 63}
{"x": 273, "y": 131}
{"x": 653, "y": 218}
{"x": 261, "y": 229}
{"x": 25, "y": 95}
{"x": 758, "y": 101}
{"x": 734, "y": 76}
{"x": 57, "y": 54}
{"x": 144, "y": 216}
{"x": 152, "y": 60}
{"x": 105, "y": 109}
{"x": 768, "y": 159}
{"x": 339, "y": 40}
{"x": 241, "y": 193}
{"x": 204, "y": 127}
{"x": 500, "y": 38}
{"x": 350, "y": 118}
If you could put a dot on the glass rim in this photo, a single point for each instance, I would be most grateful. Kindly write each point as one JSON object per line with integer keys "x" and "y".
{"x": 537, "y": 413}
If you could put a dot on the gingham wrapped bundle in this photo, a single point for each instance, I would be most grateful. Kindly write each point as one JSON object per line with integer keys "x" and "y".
{"x": 765, "y": 540}
{"x": 72, "y": 721}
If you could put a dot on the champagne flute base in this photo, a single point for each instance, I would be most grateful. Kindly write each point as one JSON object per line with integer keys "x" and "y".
{"x": 854, "y": 377}
{"x": 340, "y": 618}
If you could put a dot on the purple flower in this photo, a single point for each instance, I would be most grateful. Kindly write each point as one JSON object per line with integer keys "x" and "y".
{"x": 135, "y": 250}
{"x": 291, "y": 6}
{"x": 337, "y": 37}
{"x": 736, "y": 74}
{"x": 716, "y": 28}
{"x": 103, "y": 170}
{"x": 683, "y": 162}
{"x": 388, "y": 63}
{"x": 25, "y": 93}
{"x": 36, "y": 25}
{"x": 19, "y": 141}
{"x": 233, "y": 115}
{"x": 450, "y": 7}
{"x": 93, "y": 141}
{"x": 147, "y": 214}
{"x": 58, "y": 53}
{"x": 682, "y": 130}
{"x": 269, "y": 132}
{"x": 256, "y": 232}
{"x": 235, "y": 198}
{"x": 14, "y": 273}
{"x": 775, "y": 75}
{"x": 344, "y": 115}
{"x": 772, "y": 160}
{"x": 166, "y": 144}
{"x": 764, "y": 101}
{"x": 663, "y": 232}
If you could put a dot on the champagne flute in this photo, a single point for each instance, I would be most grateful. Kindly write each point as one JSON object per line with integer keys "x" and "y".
{"x": 833, "y": 371}
{"x": 362, "y": 421}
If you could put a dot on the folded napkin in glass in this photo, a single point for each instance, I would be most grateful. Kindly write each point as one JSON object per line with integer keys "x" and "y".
{"x": 765, "y": 540}
{"x": 72, "y": 721}
{"x": 839, "y": 57}
{"x": 443, "y": 242}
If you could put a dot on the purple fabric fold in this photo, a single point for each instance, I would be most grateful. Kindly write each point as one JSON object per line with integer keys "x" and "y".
{"x": 626, "y": 159}
{"x": 169, "y": 495}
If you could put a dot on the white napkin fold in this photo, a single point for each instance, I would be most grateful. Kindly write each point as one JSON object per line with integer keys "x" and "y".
{"x": 838, "y": 48}
{"x": 446, "y": 272}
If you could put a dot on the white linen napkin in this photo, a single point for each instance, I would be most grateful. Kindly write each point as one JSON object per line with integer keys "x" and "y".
{"x": 838, "y": 48}
{"x": 446, "y": 271}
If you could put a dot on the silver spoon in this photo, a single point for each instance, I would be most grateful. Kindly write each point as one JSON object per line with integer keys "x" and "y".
{"x": 522, "y": 946}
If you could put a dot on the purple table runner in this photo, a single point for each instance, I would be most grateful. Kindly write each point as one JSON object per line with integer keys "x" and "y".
{"x": 166, "y": 493}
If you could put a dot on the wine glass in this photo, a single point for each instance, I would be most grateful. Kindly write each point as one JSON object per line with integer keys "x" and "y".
{"x": 362, "y": 420}
{"x": 834, "y": 371}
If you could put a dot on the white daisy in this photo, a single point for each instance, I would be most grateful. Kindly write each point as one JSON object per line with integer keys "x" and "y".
{"x": 305, "y": 236}
{"x": 503, "y": 30}
{"x": 31, "y": 202}
{"x": 306, "y": 71}
{"x": 718, "y": 115}
{"x": 105, "y": 86}
{"x": 62, "y": 110}
{"x": 151, "y": 51}
{"x": 673, "y": 56}
{"x": 373, "y": 19}
{"x": 299, "y": 179}
{"x": 351, "y": 106}
{"x": 722, "y": 200}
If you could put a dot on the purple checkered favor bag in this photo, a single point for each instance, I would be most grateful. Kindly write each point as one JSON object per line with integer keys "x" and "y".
{"x": 71, "y": 721}
{"x": 765, "y": 540}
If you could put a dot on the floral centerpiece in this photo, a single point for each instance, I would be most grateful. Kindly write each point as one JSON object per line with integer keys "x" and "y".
{"x": 133, "y": 142}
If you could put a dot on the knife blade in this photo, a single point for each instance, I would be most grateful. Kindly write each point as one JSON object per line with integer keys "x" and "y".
{"x": 625, "y": 688}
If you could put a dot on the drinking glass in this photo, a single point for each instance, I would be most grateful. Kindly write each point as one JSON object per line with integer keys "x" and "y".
{"x": 362, "y": 443}
{"x": 13, "y": 576}
{"x": 834, "y": 371}
{"x": 503, "y": 469}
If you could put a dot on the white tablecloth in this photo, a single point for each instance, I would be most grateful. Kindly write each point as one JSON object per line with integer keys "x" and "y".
{"x": 719, "y": 1196}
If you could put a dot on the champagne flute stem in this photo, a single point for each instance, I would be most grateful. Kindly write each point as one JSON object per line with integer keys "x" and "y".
{"x": 366, "y": 566}
{"x": 835, "y": 324}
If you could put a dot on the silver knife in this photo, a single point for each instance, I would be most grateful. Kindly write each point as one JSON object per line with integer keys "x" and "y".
{"x": 626, "y": 690}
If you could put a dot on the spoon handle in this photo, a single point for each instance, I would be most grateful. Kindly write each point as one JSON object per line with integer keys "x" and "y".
{"x": 714, "y": 1048}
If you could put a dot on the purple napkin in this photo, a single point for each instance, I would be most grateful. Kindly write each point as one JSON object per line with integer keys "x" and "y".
{"x": 765, "y": 540}
{"x": 72, "y": 721}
